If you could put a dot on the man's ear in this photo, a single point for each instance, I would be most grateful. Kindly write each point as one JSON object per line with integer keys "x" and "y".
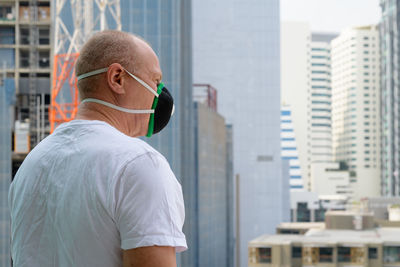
{"x": 115, "y": 78}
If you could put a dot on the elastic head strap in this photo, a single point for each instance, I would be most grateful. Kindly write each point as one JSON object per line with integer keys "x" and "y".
{"x": 95, "y": 72}
{"x": 91, "y": 73}
{"x": 132, "y": 111}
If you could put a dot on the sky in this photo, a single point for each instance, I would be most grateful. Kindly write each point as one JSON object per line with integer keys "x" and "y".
{"x": 331, "y": 15}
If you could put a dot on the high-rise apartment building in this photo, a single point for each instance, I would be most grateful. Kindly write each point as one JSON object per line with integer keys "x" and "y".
{"x": 166, "y": 25}
{"x": 390, "y": 96}
{"x": 356, "y": 106}
{"x": 236, "y": 49}
{"x": 295, "y": 67}
{"x": 289, "y": 150}
{"x": 319, "y": 103}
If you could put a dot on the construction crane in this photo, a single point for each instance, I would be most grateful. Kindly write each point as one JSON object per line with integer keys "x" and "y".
{"x": 88, "y": 17}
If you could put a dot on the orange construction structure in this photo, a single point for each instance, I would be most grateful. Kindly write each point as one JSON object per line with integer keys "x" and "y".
{"x": 64, "y": 93}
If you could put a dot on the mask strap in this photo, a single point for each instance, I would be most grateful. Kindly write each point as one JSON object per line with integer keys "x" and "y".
{"x": 143, "y": 83}
{"x": 132, "y": 111}
{"x": 95, "y": 72}
{"x": 91, "y": 73}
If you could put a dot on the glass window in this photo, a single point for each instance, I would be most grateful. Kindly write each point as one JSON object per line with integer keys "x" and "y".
{"x": 264, "y": 255}
{"x": 344, "y": 254}
{"x": 296, "y": 252}
{"x": 7, "y": 13}
{"x": 372, "y": 252}
{"x": 7, "y": 35}
{"x": 325, "y": 254}
{"x": 303, "y": 212}
{"x": 391, "y": 254}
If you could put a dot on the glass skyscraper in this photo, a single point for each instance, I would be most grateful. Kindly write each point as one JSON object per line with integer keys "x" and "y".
{"x": 236, "y": 48}
{"x": 166, "y": 25}
{"x": 390, "y": 96}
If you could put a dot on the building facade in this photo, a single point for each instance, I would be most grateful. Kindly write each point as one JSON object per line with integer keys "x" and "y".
{"x": 166, "y": 25}
{"x": 389, "y": 30}
{"x": 345, "y": 239}
{"x": 320, "y": 99}
{"x": 236, "y": 49}
{"x": 214, "y": 187}
{"x": 356, "y": 106}
{"x": 25, "y": 49}
{"x": 295, "y": 67}
{"x": 6, "y": 101}
{"x": 289, "y": 150}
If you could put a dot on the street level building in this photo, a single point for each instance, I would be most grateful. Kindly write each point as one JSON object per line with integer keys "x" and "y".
{"x": 346, "y": 239}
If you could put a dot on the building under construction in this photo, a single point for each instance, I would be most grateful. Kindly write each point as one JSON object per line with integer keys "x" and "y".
{"x": 26, "y": 52}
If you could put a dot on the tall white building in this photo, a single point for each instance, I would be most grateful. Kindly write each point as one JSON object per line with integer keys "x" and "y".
{"x": 295, "y": 67}
{"x": 320, "y": 99}
{"x": 356, "y": 106}
{"x": 290, "y": 151}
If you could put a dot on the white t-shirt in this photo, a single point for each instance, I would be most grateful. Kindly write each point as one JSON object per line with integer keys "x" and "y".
{"x": 88, "y": 191}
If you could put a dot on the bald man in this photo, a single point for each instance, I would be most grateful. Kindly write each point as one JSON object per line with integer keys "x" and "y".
{"x": 92, "y": 194}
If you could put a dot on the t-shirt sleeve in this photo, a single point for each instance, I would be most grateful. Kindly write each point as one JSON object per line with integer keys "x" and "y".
{"x": 148, "y": 204}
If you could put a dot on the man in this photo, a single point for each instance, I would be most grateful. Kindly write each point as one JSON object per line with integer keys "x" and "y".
{"x": 91, "y": 194}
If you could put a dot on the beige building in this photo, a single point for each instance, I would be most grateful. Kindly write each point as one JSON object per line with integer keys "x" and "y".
{"x": 345, "y": 239}
{"x": 356, "y": 107}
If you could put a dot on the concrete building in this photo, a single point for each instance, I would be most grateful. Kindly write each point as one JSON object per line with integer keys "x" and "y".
{"x": 330, "y": 179}
{"x": 389, "y": 32}
{"x": 295, "y": 67}
{"x": 380, "y": 205}
{"x": 356, "y": 106}
{"x": 236, "y": 49}
{"x": 166, "y": 25}
{"x": 320, "y": 100}
{"x": 214, "y": 186}
{"x": 310, "y": 207}
{"x": 25, "y": 50}
{"x": 289, "y": 150}
{"x": 346, "y": 239}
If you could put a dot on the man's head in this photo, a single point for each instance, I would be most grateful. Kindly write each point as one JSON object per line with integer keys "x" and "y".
{"x": 120, "y": 53}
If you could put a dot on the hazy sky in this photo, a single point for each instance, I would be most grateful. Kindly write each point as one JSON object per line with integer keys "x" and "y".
{"x": 331, "y": 15}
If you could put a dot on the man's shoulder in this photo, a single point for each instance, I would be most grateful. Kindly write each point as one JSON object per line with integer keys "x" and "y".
{"x": 103, "y": 139}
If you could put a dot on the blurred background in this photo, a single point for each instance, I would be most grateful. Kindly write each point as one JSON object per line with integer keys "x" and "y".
{"x": 286, "y": 134}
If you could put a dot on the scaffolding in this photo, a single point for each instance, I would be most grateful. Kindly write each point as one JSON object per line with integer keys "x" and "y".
{"x": 67, "y": 43}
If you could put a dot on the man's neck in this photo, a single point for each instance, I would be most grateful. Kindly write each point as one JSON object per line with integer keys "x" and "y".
{"x": 93, "y": 111}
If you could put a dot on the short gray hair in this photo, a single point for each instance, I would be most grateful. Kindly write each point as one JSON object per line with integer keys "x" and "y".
{"x": 100, "y": 51}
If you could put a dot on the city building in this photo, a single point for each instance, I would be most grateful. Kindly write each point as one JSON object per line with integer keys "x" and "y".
{"x": 389, "y": 30}
{"x": 345, "y": 239}
{"x": 166, "y": 25}
{"x": 330, "y": 179}
{"x": 236, "y": 49}
{"x": 214, "y": 183}
{"x": 289, "y": 149}
{"x": 356, "y": 107}
{"x": 295, "y": 67}
{"x": 319, "y": 103}
{"x": 308, "y": 206}
{"x": 380, "y": 205}
{"x": 26, "y": 53}
{"x": 7, "y": 88}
